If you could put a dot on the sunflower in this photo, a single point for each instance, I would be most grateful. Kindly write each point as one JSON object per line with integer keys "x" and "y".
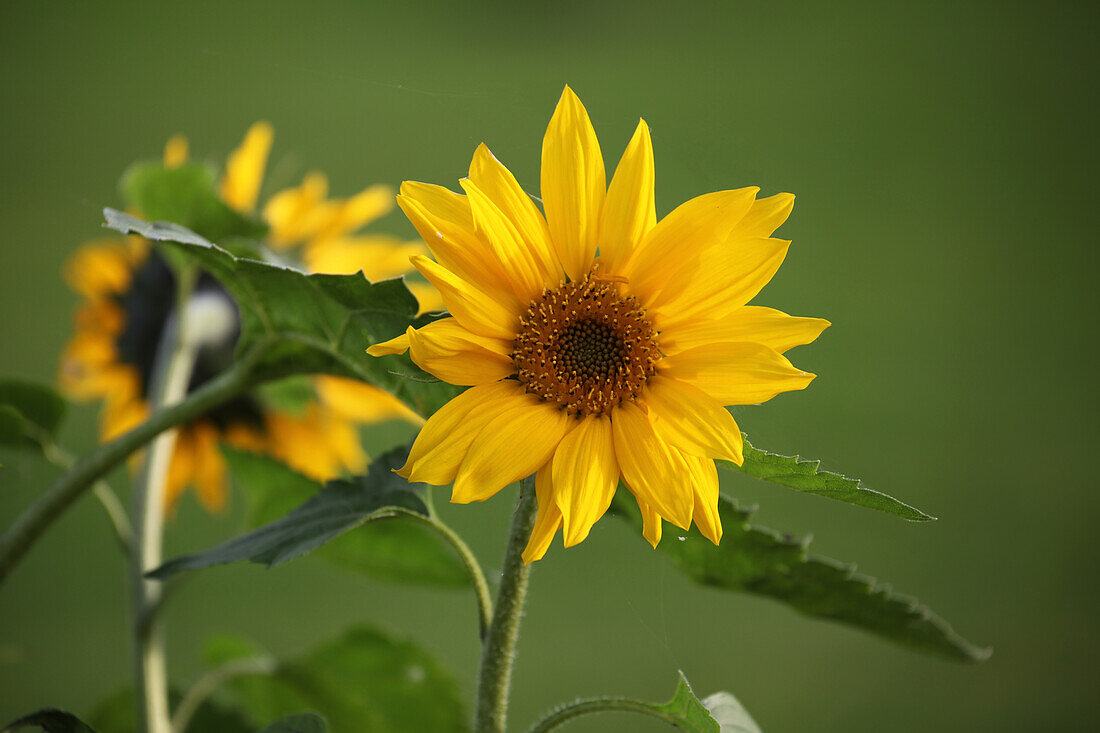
{"x": 128, "y": 294}
{"x": 598, "y": 344}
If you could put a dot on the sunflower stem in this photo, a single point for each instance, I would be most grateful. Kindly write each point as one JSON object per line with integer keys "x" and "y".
{"x": 593, "y": 705}
{"x": 499, "y": 648}
{"x": 470, "y": 563}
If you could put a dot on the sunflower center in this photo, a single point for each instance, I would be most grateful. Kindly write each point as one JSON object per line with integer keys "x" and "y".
{"x": 585, "y": 346}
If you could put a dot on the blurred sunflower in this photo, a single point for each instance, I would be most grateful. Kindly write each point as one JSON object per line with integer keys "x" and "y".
{"x": 129, "y": 294}
{"x": 598, "y": 343}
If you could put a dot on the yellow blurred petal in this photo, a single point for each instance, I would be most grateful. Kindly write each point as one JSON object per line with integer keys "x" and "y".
{"x": 501, "y": 187}
{"x": 649, "y": 467}
{"x": 176, "y": 151}
{"x": 318, "y": 443}
{"x": 295, "y": 214}
{"x": 448, "y": 351}
{"x": 521, "y": 267}
{"x": 511, "y": 447}
{"x": 474, "y": 309}
{"x": 101, "y": 268}
{"x": 445, "y": 439}
{"x": 396, "y": 345}
{"x": 628, "y": 212}
{"x": 362, "y": 402}
{"x": 573, "y": 184}
{"x": 244, "y": 170}
{"x": 668, "y": 255}
{"x": 121, "y": 416}
{"x": 358, "y": 211}
{"x": 736, "y": 373}
{"x": 209, "y": 468}
{"x": 704, "y": 481}
{"x": 689, "y": 419}
{"x": 181, "y": 468}
{"x": 585, "y": 475}
{"x": 726, "y": 278}
{"x": 443, "y": 219}
{"x": 772, "y": 328}
{"x": 427, "y": 297}
{"x": 548, "y": 520}
{"x": 765, "y": 216}
{"x": 379, "y": 257}
{"x": 245, "y": 437}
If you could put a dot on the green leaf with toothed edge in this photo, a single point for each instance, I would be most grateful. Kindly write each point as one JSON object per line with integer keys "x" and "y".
{"x": 807, "y": 477}
{"x": 763, "y": 562}
{"x": 306, "y": 323}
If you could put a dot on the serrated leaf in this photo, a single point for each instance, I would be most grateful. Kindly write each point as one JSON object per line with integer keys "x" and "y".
{"x": 50, "y": 720}
{"x": 115, "y": 714}
{"x": 30, "y": 413}
{"x": 730, "y": 714}
{"x": 686, "y": 711}
{"x": 187, "y": 195}
{"x": 363, "y": 680}
{"x": 763, "y": 562}
{"x": 340, "y": 506}
{"x": 806, "y": 476}
{"x": 309, "y": 323}
{"x": 298, "y": 723}
{"x": 399, "y": 551}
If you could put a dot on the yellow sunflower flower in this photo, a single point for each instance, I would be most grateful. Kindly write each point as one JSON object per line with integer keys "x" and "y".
{"x": 598, "y": 344}
{"x": 129, "y": 293}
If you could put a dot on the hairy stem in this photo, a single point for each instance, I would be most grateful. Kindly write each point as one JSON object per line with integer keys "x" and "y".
{"x": 469, "y": 560}
{"x": 499, "y": 648}
{"x": 593, "y": 705}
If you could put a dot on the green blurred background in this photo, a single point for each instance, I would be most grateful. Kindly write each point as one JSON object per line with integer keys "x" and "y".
{"x": 943, "y": 155}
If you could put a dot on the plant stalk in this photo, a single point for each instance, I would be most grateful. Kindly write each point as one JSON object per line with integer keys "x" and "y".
{"x": 593, "y": 705}
{"x": 499, "y": 648}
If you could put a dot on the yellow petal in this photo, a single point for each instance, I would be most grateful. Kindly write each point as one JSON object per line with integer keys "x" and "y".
{"x": 244, "y": 171}
{"x": 573, "y": 184}
{"x": 396, "y": 345}
{"x": 501, "y": 187}
{"x": 628, "y": 212}
{"x": 736, "y": 373}
{"x": 427, "y": 297}
{"x": 318, "y": 442}
{"x": 511, "y": 447}
{"x": 767, "y": 326}
{"x": 725, "y": 279}
{"x": 522, "y": 269}
{"x": 122, "y": 416}
{"x": 245, "y": 437}
{"x": 667, "y": 257}
{"x": 704, "y": 482}
{"x": 181, "y": 468}
{"x": 765, "y": 216}
{"x": 651, "y": 523}
{"x": 445, "y": 439}
{"x": 356, "y": 212}
{"x": 649, "y": 467}
{"x": 295, "y": 214}
{"x": 585, "y": 476}
{"x": 475, "y": 310}
{"x": 448, "y": 351}
{"x": 100, "y": 268}
{"x": 362, "y": 402}
{"x": 686, "y": 417}
{"x": 379, "y": 257}
{"x": 209, "y": 468}
{"x": 443, "y": 219}
{"x": 175, "y": 151}
{"x": 549, "y": 517}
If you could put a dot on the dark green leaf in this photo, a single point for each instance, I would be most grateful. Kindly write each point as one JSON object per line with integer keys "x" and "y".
{"x": 686, "y": 712}
{"x": 50, "y": 720}
{"x": 115, "y": 714}
{"x": 361, "y": 681}
{"x": 400, "y": 551}
{"x": 337, "y": 508}
{"x": 763, "y": 562}
{"x": 805, "y": 476}
{"x": 298, "y": 723}
{"x": 310, "y": 323}
{"x": 187, "y": 195}
{"x": 30, "y": 413}
{"x": 730, "y": 714}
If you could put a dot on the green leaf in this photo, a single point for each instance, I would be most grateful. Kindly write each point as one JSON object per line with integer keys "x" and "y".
{"x": 51, "y": 720}
{"x": 187, "y": 195}
{"x": 30, "y": 413}
{"x": 298, "y": 723}
{"x": 806, "y": 476}
{"x": 309, "y": 323}
{"x": 340, "y": 506}
{"x": 686, "y": 711}
{"x": 763, "y": 562}
{"x": 730, "y": 714}
{"x": 361, "y": 681}
{"x": 399, "y": 551}
{"x": 115, "y": 714}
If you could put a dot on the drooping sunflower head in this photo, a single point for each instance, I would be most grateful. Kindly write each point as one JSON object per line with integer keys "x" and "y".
{"x": 130, "y": 294}
{"x": 600, "y": 345}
